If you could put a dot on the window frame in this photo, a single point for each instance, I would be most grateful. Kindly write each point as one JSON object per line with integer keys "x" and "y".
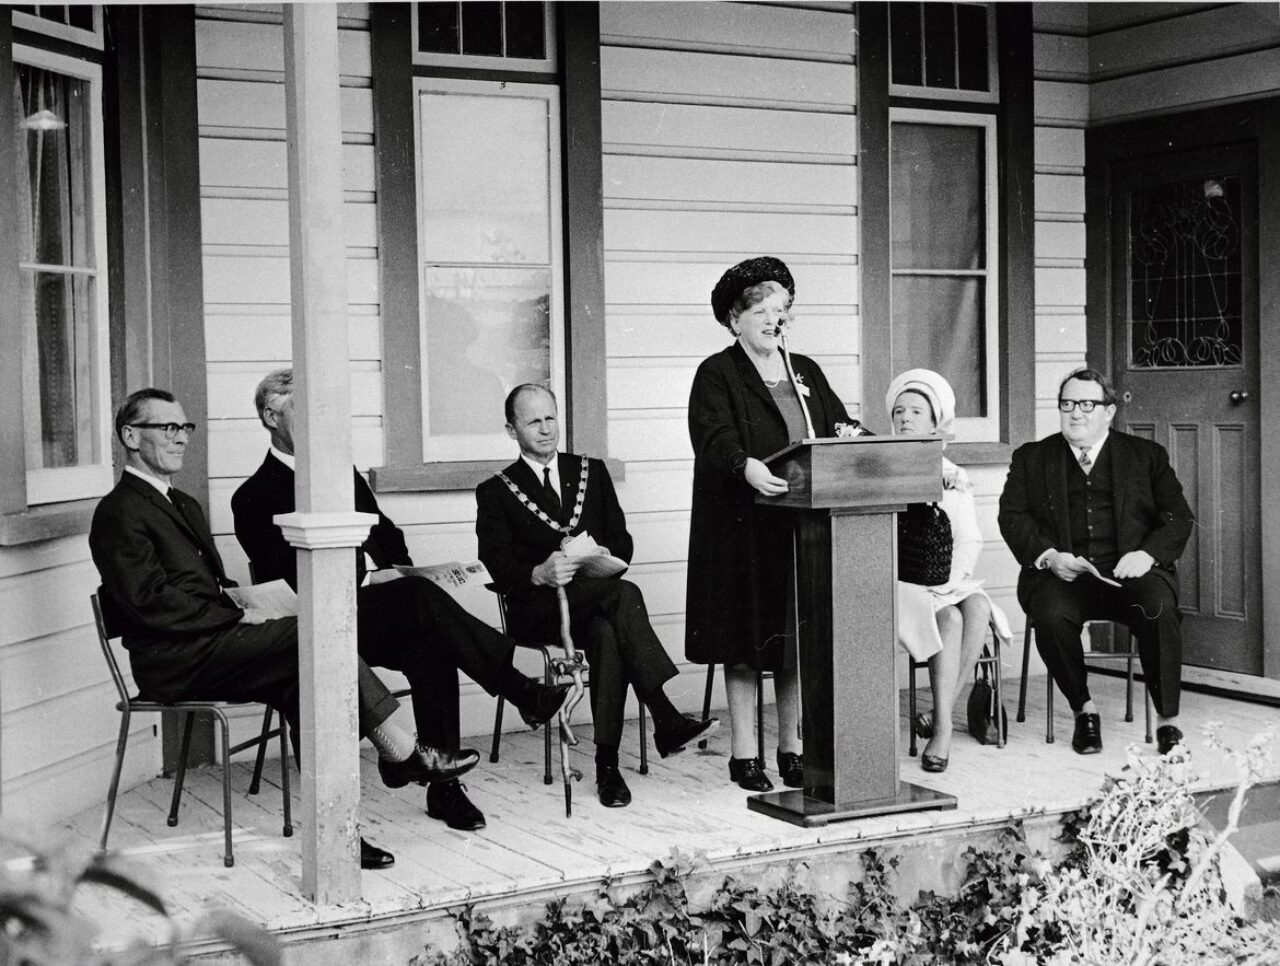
{"x": 970, "y": 429}
{"x": 1016, "y": 135}
{"x": 584, "y": 415}
{"x": 62, "y": 31}
{"x": 439, "y": 452}
{"x": 84, "y": 481}
{"x": 990, "y": 96}
{"x": 544, "y": 65}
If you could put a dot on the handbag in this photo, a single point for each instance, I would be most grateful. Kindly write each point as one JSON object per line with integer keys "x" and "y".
{"x": 924, "y": 545}
{"x": 987, "y": 721}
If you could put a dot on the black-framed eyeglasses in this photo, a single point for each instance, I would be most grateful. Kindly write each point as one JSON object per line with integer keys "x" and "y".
{"x": 1086, "y": 405}
{"x": 171, "y": 430}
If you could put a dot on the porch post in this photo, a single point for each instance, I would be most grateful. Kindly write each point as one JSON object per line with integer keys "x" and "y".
{"x": 325, "y": 528}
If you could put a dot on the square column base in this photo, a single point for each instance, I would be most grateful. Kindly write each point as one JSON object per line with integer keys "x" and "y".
{"x": 800, "y": 809}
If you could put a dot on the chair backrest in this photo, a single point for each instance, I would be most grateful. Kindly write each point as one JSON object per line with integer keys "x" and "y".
{"x": 106, "y": 632}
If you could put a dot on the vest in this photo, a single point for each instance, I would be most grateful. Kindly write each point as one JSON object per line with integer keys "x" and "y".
{"x": 1091, "y": 506}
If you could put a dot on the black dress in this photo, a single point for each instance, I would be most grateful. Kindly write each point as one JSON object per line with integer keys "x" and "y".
{"x": 740, "y": 560}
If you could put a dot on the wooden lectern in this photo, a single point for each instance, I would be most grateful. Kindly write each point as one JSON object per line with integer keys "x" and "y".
{"x": 845, "y": 494}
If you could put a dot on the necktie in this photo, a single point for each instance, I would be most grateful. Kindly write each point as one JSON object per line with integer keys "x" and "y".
{"x": 1085, "y": 462}
{"x": 549, "y": 491}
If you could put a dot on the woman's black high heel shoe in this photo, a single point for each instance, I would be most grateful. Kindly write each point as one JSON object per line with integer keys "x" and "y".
{"x": 749, "y": 774}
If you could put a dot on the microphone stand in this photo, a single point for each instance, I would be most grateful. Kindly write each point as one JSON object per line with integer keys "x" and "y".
{"x": 795, "y": 384}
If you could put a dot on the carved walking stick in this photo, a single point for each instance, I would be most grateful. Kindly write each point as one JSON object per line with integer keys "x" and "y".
{"x": 571, "y": 665}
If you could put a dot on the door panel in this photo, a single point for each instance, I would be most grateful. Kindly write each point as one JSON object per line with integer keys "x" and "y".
{"x": 1185, "y": 361}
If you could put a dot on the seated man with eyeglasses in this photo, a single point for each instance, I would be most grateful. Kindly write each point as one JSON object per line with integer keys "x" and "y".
{"x": 1097, "y": 519}
{"x": 163, "y": 581}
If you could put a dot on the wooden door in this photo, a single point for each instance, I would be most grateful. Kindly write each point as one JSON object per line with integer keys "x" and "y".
{"x": 1185, "y": 361}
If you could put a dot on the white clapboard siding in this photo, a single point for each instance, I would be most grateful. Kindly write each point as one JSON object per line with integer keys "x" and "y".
{"x": 235, "y": 279}
{"x": 693, "y": 332}
{"x": 755, "y": 185}
{"x": 698, "y": 130}
{"x": 257, "y": 167}
{"x": 263, "y": 334}
{"x": 792, "y": 32}
{"x": 228, "y": 46}
{"x": 259, "y": 221}
{"x": 681, "y": 278}
{"x": 231, "y": 387}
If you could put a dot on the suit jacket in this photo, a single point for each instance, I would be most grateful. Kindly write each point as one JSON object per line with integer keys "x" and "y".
{"x": 1151, "y": 513}
{"x": 513, "y": 540}
{"x": 159, "y": 566}
{"x": 269, "y": 492}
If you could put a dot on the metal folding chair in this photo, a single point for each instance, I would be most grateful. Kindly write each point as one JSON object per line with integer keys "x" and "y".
{"x": 128, "y": 706}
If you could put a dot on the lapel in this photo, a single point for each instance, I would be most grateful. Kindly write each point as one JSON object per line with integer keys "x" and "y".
{"x": 1122, "y": 470}
{"x": 570, "y": 467}
{"x": 522, "y": 475}
{"x": 1055, "y": 482}
{"x": 183, "y": 520}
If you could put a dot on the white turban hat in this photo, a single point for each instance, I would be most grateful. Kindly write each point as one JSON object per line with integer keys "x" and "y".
{"x": 926, "y": 382}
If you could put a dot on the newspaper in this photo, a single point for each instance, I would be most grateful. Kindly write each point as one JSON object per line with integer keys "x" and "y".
{"x": 593, "y": 559}
{"x": 452, "y": 576}
{"x": 265, "y": 602}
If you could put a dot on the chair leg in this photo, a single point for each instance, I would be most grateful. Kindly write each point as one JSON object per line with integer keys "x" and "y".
{"x": 760, "y": 715}
{"x": 1128, "y": 686}
{"x": 228, "y": 859}
{"x": 912, "y": 746}
{"x": 262, "y": 751}
{"x": 121, "y": 742}
{"x": 1146, "y": 703}
{"x": 1048, "y": 703}
{"x": 497, "y": 730}
{"x": 546, "y": 728}
{"x": 1026, "y": 665}
{"x": 644, "y": 739}
{"x": 1002, "y": 723}
{"x": 284, "y": 777}
{"x": 182, "y": 769}
{"x": 706, "y": 700}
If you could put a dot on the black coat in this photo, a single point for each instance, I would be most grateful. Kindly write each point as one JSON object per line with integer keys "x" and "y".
{"x": 269, "y": 492}
{"x": 1151, "y": 513}
{"x": 513, "y": 540}
{"x": 740, "y": 560}
{"x": 159, "y": 566}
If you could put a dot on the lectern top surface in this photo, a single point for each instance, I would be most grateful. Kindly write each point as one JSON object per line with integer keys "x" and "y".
{"x": 854, "y": 441}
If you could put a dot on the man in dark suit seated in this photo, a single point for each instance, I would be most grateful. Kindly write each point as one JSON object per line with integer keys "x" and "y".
{"x": 1097, "y": 519}
{"x": 163, "y": 580}
{"x": 523, "y": 516}
{"x": 406, "y": 623}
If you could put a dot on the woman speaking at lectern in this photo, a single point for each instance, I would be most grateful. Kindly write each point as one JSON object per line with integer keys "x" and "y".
{"x": 749, "y": 401}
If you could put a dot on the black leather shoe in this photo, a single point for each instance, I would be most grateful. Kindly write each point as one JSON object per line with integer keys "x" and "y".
{"x": 613, "y": 791}
{"x": 539, "y": 703}
{"x": 1087, "y": 739}
{"x": 426, "y": 765}
{"x": 1167, "y": 736}
{"x": 448, "y": 802}
{"x": 686, "y": 728}
{"x": 749, "y": 774}
{"x": 372, "y": 857}
{"x": 791, "y": 769}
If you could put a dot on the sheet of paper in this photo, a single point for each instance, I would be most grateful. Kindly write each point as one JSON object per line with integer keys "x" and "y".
{"x": 1094, "y": 570}
{"x": 452, "y": 576}
{"x": 268, "y": 601}
{"x": 592, "y": 562}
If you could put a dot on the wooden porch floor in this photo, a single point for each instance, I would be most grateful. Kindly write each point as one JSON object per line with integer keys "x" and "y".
{"x": 530, "y": 851}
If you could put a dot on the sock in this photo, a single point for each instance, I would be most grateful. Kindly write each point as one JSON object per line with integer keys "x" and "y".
{"x": 606, "y": 755}
{"x": 511, "y": 684}
{"x": 664, "y": 712}
{"x": 392, "y": 743}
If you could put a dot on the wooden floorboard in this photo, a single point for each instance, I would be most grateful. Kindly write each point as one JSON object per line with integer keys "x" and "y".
{"x": 686, "y": 802}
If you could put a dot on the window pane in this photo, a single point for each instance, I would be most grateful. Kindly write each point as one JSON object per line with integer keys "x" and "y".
{"x": 58, "y": 368}
{"x": 56, "y": 308}
{"x": 526, "y": 30}
{"x": 939, "y": 324}
{"x": 438, "y": 28}
{"x": 482, "y": 29}
{"x": 971, "y": 27}
{"x": 53, "y": 169}
{"x": 54, "y": 12}
{"x": 81, "y": 16}
{"x": 485, "y": 179}
{"x": 487, "y": 331}
{"x": 937, "y": 178}
{"x": 939, "y": 45}
{"x": 1185, "y": 275}
{"x": 904, "y": 34}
